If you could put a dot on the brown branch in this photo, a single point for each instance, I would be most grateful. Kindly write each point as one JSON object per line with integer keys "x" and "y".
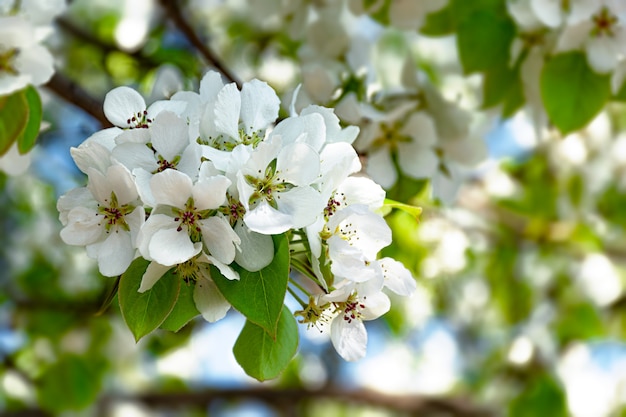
{"x": 172, "y": 10}
{"x": 423, "y": 406}
{"x": 78, "y": 32}
{"x": 74, "y": 93}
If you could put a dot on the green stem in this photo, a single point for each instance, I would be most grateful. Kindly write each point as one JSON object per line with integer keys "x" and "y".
{"x": 305, "y": 270}
{"x": 298, "y": 299}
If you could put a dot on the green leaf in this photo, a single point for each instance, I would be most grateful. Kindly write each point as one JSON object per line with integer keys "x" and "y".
{"x": 484, "y": 40}
{"x": 572, "y": 93}
{"x": 13, "y": 119}
{"x": 391, "y": 204}
{"x": 263, "y": 357}
{"x": 144, "y": 312}
{"x": 72, "y": 383}
{"x": 542, "y": 397}
{"x": 259, "y": 295}
{"x": 503, "y": 85}
{"x": 439, "y": 23}
{"x": 27, "y": 139}
{"x": 184, "y": 310}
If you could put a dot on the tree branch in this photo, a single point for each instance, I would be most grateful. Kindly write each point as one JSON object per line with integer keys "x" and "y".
{"x": 415, "y": 404}
{"x": 74, "y": 93}
{"x": 172, "y": 10}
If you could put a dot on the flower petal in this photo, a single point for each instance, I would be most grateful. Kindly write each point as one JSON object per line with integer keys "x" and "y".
{"x": 349, "y": 338}
{"x": 121, "y": 104}
{"x": 209, "y": 301}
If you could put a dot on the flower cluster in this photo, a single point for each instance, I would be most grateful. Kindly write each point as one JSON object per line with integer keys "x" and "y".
{"x": 23, "y": 59}
{"x": 207, "y": 178}
{"x": 595, "y": 26}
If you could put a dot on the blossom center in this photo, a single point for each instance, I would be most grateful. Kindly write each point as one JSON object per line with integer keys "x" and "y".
{"x": 114, "y": 213}
{"x": 189, "y": 218}
{"x": 267, "y": 187}
{"x": 139, "y": 120}
{"x": 605, "y": 23}
{"x": 351, "y": 308}
{"x": 7, "y": 61}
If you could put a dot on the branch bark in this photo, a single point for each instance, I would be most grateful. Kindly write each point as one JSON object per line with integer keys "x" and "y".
{"x": 74, "y": 93}
{"x": 172, "y": 10}
{"x": 423, "y": 406}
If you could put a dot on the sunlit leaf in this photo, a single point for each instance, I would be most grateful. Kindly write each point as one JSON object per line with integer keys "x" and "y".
{"x": 263, "y": 357}
{"x": 26, "y": 140}
{"x": 259, "y": 295}
{"x": 144, "y": 312}
{"x": 572, "y": 93}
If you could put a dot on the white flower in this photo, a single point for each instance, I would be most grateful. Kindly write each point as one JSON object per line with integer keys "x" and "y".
{"x": 169, "y": 148}
{"x": 353, "y": 303}
{"x": 209, "y": 301}
{"x": 105, "y": 217}
{"x": 23, "y": 60}
{"x": 126, "y": 108}
{"x": 182, "y": 219}
{"x": 354, "y": 236}
{"x": 274, "y": 187}
{"x": 602, "y": 35}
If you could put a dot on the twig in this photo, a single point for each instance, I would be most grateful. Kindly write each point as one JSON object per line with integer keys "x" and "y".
{"x": 76, "y": 31}
{"x": 74, "y": 93}
{"x": 172, "y": 11}
{"x": 416, "y": 404}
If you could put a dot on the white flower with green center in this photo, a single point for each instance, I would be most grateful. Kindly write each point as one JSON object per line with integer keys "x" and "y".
{"x": 186, "y": 214}
{"x": 274, "y": 187}
{"x": 23, "y": 60}
{"x": 105, "y": 217}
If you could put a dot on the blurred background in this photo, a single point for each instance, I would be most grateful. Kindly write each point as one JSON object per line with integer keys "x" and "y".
{"x": 519, "y": 257}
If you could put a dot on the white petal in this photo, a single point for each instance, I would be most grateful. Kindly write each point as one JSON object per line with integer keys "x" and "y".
{"x": 416, "y": 160}
{"x": 602, "y": 54}
{"x": 548, "y": 11}
{"x": 122, "y": 184}
{"x": 227, "y": 109}
{"x": 259, "y": 105}
{"x": 83, "y": 227}
{"x": 170, "y": 247}
{"x": 228, "y": 272}
{"x": 209, "y": 301}
{"x": 171, "y": 187}
{"x": 349, "y": 338}
{"x": 298, "y": 164}
{"x": 135, "y": 155}
{"x": 302, "y": 204}
{"x": 210, "y": 193}
{"x": 115, "y": 253}
{"x": 376, "y": 304}
{"x": 309, "y": 129}
{"x": 219, "y": 238}
{"x": 397, "y": 278}
{"x": 210, "y": 86}
{"x": 153, "y": 273}
{"x": 169, "y": 135}
{"x": 361, "y": 190}
{"x": 121, "y": 104}
{"x": 256, "y": 251}
{"x": 37, "y": 63}
{"x": 381, "y": 168}
{"x": 78, "y": 197}
{"x": 267, "y": 220}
